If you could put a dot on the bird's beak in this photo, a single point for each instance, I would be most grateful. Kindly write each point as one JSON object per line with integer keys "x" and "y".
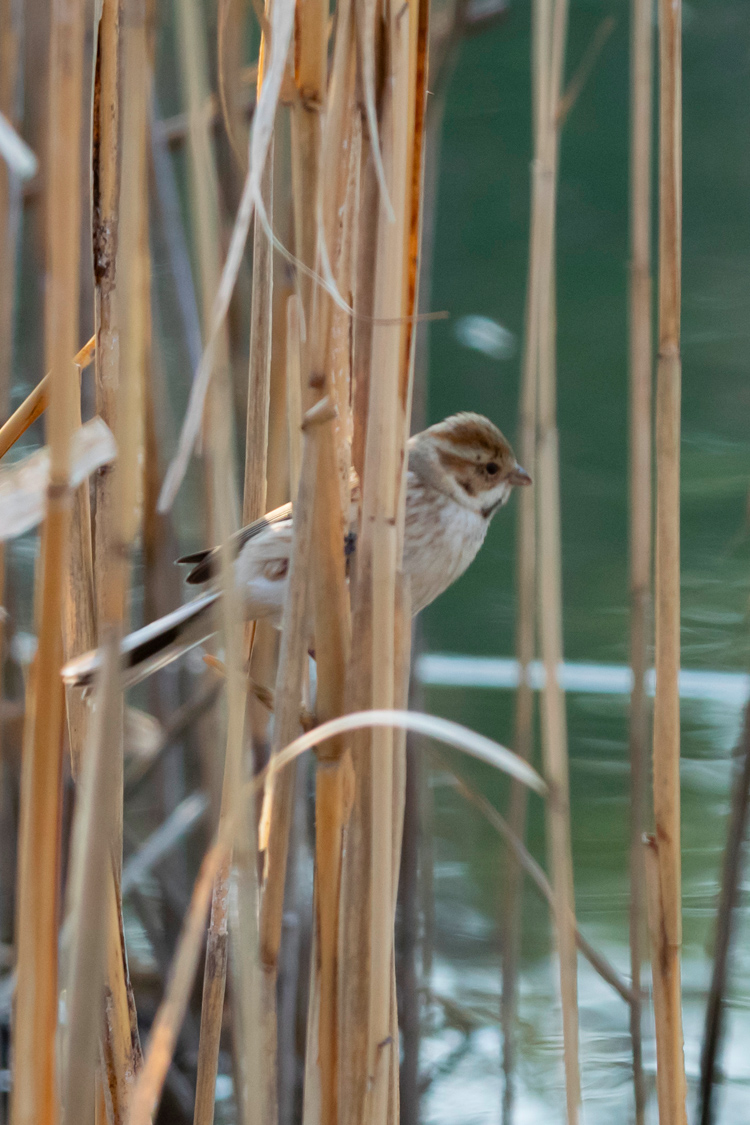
{"x": 519, "y": 475}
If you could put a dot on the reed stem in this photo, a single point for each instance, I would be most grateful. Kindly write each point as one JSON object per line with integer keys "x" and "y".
{"x": 525, "y": 622}
{"x": 641, "y": 505}
{"x": 551, "y": 17}
{"x": 34, "y": 1096}
{"x": 666, "y": 753}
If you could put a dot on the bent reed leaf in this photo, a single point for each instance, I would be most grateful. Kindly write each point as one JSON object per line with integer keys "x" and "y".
{"x": 442, "y": 730}
{"x": 23, "y": 488}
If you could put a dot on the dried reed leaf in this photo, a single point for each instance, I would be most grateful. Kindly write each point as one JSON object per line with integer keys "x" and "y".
{"x": 23, "y": 488}
{"x": 442, "y": 730}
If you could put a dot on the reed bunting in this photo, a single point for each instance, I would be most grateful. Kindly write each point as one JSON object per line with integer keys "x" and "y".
{"x": 460, "y": 472}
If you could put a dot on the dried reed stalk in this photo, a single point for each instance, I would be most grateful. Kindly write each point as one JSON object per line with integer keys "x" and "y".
{"x": 244, "y": 919}
{"x": 525, "y": 598}
{"x": 106, "y": 218}
{"x": 666, "y": 761}
{"x": 641, "y": 111}
{"x": 34, "y": 1096}
{"x": 119, "y": 1050}
{"x": 369, "y": 1084}
{"x": 279, "y": 796}
{"x": 256, "y": 451}
{"x": 330, "y": 374}
{"x": 549, "y": 70}
{"x": 174, "y": 1004}
{"x": 670, "y": 1071}
{"x": 124, "y": 293}
{"x": 11, "y": 105}
{"x": 205, "y": 219}
{"x": 90, "y": 879}
{"x": 310, "y": 76}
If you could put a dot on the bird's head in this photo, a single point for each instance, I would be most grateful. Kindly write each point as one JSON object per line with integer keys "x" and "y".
{"x": 468, "y": 458}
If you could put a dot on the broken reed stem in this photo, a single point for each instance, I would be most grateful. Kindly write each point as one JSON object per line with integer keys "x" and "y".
{"x": 666, "y": 753}
{"x": 641, "y": 514}
{"x": 551, "y": 17}
{"x": 35, "y": 403}
{"x": 34, "y": 1096}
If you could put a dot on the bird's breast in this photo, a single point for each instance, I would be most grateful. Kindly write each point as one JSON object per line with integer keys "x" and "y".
{"x": 440, "y": 541}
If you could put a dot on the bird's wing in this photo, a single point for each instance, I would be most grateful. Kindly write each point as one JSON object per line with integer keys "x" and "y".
{"x": 205, "y": 564}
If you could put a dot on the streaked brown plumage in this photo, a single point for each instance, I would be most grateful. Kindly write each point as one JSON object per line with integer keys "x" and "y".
{"x": 460, "y": 472}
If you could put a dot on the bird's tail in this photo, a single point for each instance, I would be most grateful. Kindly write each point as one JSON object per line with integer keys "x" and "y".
{"x": 152, "y": 647}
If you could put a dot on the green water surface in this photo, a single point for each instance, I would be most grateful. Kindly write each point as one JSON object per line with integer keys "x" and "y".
{"x": 480, "y": 263}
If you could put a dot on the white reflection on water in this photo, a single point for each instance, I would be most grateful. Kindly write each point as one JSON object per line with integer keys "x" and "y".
{"x": 442, "y": 669}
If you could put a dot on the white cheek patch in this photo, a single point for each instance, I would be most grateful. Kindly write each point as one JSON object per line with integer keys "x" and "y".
{"x": 496, "y": 499}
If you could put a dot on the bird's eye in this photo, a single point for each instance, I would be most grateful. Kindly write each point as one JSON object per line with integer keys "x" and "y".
{"x": 492, "y": 468}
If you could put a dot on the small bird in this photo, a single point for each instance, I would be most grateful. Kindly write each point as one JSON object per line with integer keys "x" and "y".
{"x": 460, "y": 472}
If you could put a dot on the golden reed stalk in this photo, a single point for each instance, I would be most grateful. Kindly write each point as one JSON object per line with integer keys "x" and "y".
{"x": 34, "y": 1096}
{"x": 663, "y": 870}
